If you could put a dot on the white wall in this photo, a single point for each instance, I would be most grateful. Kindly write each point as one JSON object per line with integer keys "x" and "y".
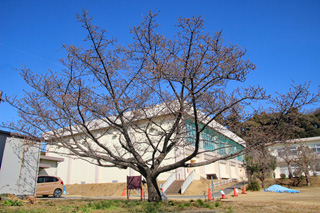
{"x": 74, "y": 170}
{"x": 49, "y": 171}
{"x": 19, "y": 169}
{"x": 312, "y": 142}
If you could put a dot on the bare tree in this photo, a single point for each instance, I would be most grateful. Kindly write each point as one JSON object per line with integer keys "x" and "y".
{"x": 306, "y": 160}
{"x": 110, "y": 87}
{"x": 260, "y": 163}
{"x": 276, "y": 123}
{"x": 288, "y": 155}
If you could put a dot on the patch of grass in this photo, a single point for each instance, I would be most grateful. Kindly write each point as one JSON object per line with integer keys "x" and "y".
{"x": 49, "y": 203}
{"x": 131, "y": 204}
{"x": 230, "y": 209}
{"x": 151, "y": 207}
{"x": 187, "y": 204}
{"x": 65, "y": 208}
{"x": 181, "y": 206}
{"x": 105, "y": 204}
{"x": 86, "y": 208}
{"x": 200, "y": 202}
{"x": 12, "y": 203}
{"x": 217, "y": 204}
{"x": 171, "y": 203}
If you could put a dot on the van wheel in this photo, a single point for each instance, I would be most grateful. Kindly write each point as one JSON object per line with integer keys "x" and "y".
{"x": 57, "y": 193}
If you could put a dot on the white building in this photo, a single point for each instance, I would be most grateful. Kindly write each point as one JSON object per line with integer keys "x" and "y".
{"x": 290, "y": 147}
{"x": 19, "y": 161}
{"x": 73, "y": 170}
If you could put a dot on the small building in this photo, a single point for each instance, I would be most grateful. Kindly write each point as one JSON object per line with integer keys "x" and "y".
{"x": 290, "y": 148}
{"x": 48, "y": 164}
{"x": 19, "y": 162}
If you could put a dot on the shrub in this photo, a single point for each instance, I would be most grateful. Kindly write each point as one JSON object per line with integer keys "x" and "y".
{"x": 181, "y": 206}
{"x": 187, "y": 204}
{"x": 253, "y": 186}
{"x": 200, "y": 202}
{"x": 282, "y": 176}
{"x": 217, "y": 204}
{"x": 171, "y": 203}
{"x": 12, "y": 203}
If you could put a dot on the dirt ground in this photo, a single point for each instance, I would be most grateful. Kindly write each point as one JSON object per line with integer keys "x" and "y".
{"x": 95, "y": 190}
{"x": 198, "y": 187}
{"x": 308, "y": 200}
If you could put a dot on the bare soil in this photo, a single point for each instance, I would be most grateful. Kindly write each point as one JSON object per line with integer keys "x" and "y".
{"x": 95, "y": 190}
{"x": 198, "y": 187}
{"x": 308, "y": 200}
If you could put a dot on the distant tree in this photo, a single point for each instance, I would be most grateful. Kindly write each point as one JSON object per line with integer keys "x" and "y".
{"x": 288, "y": 156}
{"x": 310, "y": 123}
{"x": 307, "y": 161}
{"x": 303, "y": 126}
{"x": 110, "y": 85}
{"x": 277, "y": 123}
{"x": 259, "y": 164}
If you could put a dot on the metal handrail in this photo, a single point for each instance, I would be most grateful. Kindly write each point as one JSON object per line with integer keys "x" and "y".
{"x": 168, "y": 182}
{"x": 187, "y": 182}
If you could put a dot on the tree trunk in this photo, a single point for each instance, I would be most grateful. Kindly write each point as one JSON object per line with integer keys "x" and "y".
{"x": 153, "y": 190}
{"x": 307, "y": 178}
{"x": 262, "y": 183}
{"x": 262, "y": 177}
{"x": 290, "y": 171}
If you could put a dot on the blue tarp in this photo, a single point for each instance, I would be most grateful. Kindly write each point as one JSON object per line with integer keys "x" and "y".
{"x": 280, "y": 189}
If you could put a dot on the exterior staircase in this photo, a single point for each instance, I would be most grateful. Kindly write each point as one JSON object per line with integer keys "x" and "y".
{"x": 174, "y": 188}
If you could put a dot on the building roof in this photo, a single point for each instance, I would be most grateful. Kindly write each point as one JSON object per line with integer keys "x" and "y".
{"x": 297, "y": 141}
{"x": 152, "y": 112}
{"x": 304, "y": 140}
{"x": 50, "y": 158}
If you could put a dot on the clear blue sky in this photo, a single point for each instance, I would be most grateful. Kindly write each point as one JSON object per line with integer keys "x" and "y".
{"x": 282, "y": 37}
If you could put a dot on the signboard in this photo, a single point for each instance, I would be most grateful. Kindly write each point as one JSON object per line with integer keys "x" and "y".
{"x": 134, "y": 183}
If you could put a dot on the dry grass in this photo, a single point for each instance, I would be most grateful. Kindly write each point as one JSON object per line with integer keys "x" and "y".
{"x": 198, "y": 187}
{"x": 96, "y": 190}
{"x": 306, "y": 201}
{"x": 99, "y": 189}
